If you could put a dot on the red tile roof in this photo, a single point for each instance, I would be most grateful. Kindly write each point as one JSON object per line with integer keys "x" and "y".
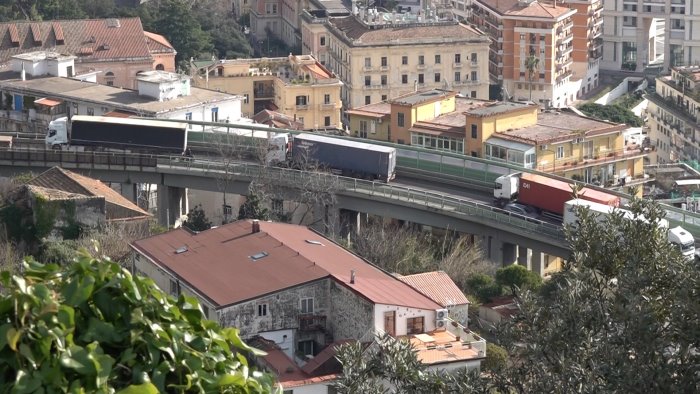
{"x": 218, "y": 264}
{"x": 349, "y": 28}
{"x": 118, "y": 207}
{"x": 534, "y": 9}
{"x": 438, "y": 286}
{"x": 158, "y": 43}
{"x": 124, "y": 37}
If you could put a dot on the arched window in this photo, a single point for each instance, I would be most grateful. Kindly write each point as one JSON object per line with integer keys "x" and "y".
{"x": 160, "y": 67}
{"x": 109, "y": 78}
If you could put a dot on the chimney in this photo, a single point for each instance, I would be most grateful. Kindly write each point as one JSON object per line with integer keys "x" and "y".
{"x": 352, "y": 276}
{"x": 256, "y": 226}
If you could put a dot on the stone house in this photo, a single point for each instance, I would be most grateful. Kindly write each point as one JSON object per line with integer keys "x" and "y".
{"x": 116, "y": 49}
{"x": 290, "y": 285}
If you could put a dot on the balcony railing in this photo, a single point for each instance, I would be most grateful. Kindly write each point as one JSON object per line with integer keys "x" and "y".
{"x": 312, "y": 323}
{"x": 467, "y": 337}
{"x": 597, "y": 157}
{"x": 302, "y": 107}
{"x": 329, "y": 106}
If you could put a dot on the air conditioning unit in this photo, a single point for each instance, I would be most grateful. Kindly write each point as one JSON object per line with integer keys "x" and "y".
{"x": 440, "y": 324}
{"x": 441, "y": 314}
{"x": 578, "y": 140}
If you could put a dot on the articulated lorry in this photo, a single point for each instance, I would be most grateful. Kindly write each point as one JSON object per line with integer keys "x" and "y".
{"x": 345, "y": 157}
{"x": 678, "y": 236}
{"x": 545, "y": 194}
{"x": 98, "y": 132}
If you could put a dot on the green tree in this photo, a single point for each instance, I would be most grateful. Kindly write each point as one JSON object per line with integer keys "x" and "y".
{"x": 532, "y": 64}
{"x": 197, "y": 220}
{"x": 253, "y": 208}
{"x": 174, "y": 20}
{"x": 613, "y": 113}
{"x": 516, "y": 277}
{"x": 484, "y": 287}
{"x": 622, "y": 316}
{"x": 394, "y": 361}
{"x": 496, "y": 358}
{"x": 93, "y": 327}
{"x": 225, "y": 31}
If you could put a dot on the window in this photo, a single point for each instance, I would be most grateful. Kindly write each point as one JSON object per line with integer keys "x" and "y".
{"x": 301, "y": 100}
{"x": 384, "y": 97}
{"x": 188, "y": 117}
{"x": 323, "y": 41}
{"x": 307, "y": 305}
{"x": 306, "y": 347}
{"x": 368, "y": 80}
{"x": 215, "y": 114}
{"x": 384, "y": 61}
{"x": 414, "y": 325}
{"x": 629, "y": 21}
{"x": 473, "y": 94}
{"x": 383, "y": 79}
{"x": 262, "y": 310}
{"x": 458, "y": 76}
{"x": 400, "y": 121}
{"x": 437, "y": 77}
{"x": 174, "y": 287}
{"x": 270, "y": 8}
{"x": 404, "y": 79}
{"x": 421, "y": 60}
{"x": 474, "y": 131}
{"x": 326, "y": 99}
{"x": 368, "y": 100}
{"x": 363, "y": 129}
{"x": 458, "y": 58}
{"x": 437, "y": 59}
{"x": 560, "y": 152}
{"x": 90, "y": 111}
{"x": 420, "y": 78}
{"x": 474, "y": 58}
{"x": 368, "y": 62}
{"x": 327, "y": 121}
{"x": 474, "y": 77}
{"x": 205, "y": 310}
{"x": 404, "y": 60}
{"x": 246, "y": 98}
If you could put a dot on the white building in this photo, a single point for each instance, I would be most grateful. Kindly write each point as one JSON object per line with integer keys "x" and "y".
{"x": 39, "y": 89}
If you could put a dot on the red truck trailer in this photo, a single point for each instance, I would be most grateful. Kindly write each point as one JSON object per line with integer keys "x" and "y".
{"x": 545, "y": 193}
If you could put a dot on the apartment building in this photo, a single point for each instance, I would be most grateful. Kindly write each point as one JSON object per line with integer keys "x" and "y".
{"x": 639, "y": 33}
{"x": 673, "y": 119}
{"x": 518, "y": 133}
{"x": 558, "y": 142}
{"x": 297, "y": 86}
{"x": 380, "y": 55}
{"x": 525, "y": 28}
{"x": 292, "y": 286}
{"x": 36, "y": 90}
{"x": 116, "y": 50}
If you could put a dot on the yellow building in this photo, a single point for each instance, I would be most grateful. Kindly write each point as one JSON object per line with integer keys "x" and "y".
{"x": 380, "y": 56}
{"x": 521, "y": 134}
{"x": 297, "y": 86}
{"x": 559, "y": 142}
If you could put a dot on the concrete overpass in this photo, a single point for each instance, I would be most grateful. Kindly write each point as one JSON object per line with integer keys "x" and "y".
{"x": 506, "y": 237}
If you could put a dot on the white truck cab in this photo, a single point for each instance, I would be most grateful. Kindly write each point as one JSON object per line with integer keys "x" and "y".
{"x": 506, "y": 187}
{"x": 684, "y": 240}
{"x": 57, "y": 134}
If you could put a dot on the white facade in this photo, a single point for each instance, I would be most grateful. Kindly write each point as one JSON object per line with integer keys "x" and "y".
{"x": 163, "y": 85}
{"x": 402, "y": 314}
{"x": 638, "y": 33}
{"x": 43, "y": 63}
{"x": 282, "y": 338}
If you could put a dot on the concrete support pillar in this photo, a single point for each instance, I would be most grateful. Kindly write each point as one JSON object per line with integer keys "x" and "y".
{"x": 509, "y": 253}
{"x": 170, "y": 204}
{"x": 537, "y": 262}
{"x": 524, "y": 256}
{"x": 128, "y": 190}
{"x": 495, "y": 248}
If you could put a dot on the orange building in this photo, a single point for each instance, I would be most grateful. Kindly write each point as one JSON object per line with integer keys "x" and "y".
{"x": 547, "y": 31}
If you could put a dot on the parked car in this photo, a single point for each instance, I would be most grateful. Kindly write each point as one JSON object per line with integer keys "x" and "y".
{"x": 521, "y": 209}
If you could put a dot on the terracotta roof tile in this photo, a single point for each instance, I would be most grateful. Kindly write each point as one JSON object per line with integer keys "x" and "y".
{"x": 157, "y": 43}
{"x": 534, "y": 9}
{"x": 68, "y": 181}
{"x": 218, "y": 264}
{"x": 360, "y": 33}
{"x": 438, "y": 286}
{"x": 125, "y": 38}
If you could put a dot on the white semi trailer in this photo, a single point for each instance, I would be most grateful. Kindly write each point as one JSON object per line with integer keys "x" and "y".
{"x": 677, "y": 235}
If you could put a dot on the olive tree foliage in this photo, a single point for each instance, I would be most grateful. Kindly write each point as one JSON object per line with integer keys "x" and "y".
{"x": 622, "y": 316}
{"x": 390, "y": 365}
{"x": 93, "y": 327}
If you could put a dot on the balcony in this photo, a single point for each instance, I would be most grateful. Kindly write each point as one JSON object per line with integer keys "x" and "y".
{"x": 264, "y": 94}
{"x": 367, "y": 68}
{"x": 599, "y": 157}
{"x": 327, "y": 107}
{"x": 383, "y": 68}
{"x": 302, "y": 107}
{"x": 457, "y": 65}
{"x": 466, "y": 336}
{"x": 564, "y": 75}
{"x": 312, "y": 323}
{"x": 421, "y": 66}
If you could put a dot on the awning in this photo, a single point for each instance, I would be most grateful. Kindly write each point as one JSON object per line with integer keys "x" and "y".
{"x": 48, "y": 102}
{"x": 508, "y": 144}
{"x": 119, "y": 114}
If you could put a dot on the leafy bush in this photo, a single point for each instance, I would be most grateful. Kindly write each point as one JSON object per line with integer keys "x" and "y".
{"x": 93, "y": 327}
{"x": 614, "y": 113}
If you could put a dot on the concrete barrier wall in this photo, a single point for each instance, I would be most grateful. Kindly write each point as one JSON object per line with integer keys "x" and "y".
{"x": 617, "y": 92}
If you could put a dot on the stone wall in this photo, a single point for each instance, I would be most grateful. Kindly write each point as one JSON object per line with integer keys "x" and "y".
{"x": 351, "y": 316}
